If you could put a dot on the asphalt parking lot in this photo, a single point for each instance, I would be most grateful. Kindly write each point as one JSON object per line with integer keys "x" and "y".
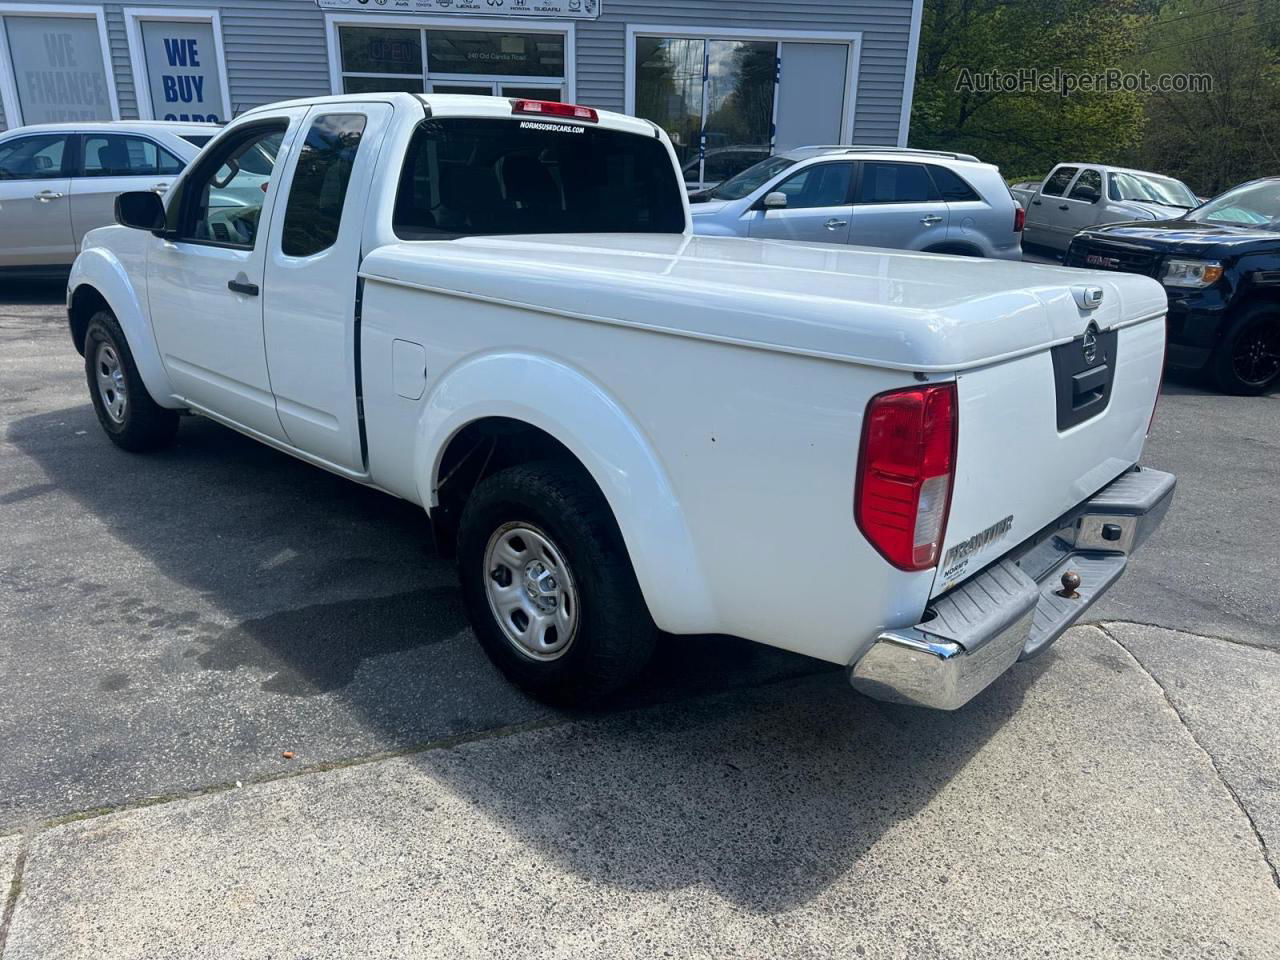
{"x": 170, "y": 625}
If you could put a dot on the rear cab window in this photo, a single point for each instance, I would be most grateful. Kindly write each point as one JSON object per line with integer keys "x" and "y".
{"x": 466, "y": 176}
{"x": 1056, "y": 185}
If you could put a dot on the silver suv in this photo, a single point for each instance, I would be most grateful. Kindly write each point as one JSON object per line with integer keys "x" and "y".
{"x": 873, "y": 196}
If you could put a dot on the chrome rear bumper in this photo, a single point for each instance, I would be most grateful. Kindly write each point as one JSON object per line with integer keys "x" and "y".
{"x": 1015, "y": 608}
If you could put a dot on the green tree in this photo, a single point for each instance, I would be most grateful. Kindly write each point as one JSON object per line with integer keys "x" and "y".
{"x": 1217, "y": 138}
{"x": 1026, "y": 131}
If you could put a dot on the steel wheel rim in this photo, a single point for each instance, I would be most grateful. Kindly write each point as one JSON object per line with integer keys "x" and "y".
{"x": 532, "y": 593}
{"x": 111, "y": 384}
{"x": 1256, "y": 355}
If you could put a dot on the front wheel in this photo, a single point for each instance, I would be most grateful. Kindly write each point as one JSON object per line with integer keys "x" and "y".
{"x": 128, "y": 414}
{"x": 549, "y": 586}
{"x": 1247, "y": 362}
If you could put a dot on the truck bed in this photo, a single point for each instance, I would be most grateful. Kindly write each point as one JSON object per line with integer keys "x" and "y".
{"x": 915, "y": 312}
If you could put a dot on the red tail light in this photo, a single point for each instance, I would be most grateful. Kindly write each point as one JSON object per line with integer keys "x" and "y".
{"x": 905, "y": 470}
{"x": 1019, "y": 219}
{"x": 550, "y": 108}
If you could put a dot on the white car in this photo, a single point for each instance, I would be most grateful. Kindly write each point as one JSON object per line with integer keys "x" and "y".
{"x": 1075, "y": 196}
{"x": 921, "y": 467}
{"x": 59, "y": 181}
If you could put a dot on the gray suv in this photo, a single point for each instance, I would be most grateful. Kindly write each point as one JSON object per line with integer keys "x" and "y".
{"x": 872, "y": 196}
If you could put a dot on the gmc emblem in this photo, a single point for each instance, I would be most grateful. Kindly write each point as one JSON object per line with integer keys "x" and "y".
{"x": 1097, "y": 260}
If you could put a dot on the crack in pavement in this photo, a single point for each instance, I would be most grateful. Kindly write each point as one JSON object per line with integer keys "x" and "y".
{"x": 1250, "y": 644}
{"x": 15, "y": 885}
{"x": 1213, "y": 761}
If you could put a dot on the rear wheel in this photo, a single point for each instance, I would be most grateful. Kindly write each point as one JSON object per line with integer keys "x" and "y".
{"x": 128, "y": 414}
{"x": 548, "y": 584}
{"x": 1247, "y": 362}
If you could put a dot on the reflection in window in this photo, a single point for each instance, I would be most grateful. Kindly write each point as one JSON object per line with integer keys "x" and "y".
{"x": 381, "y": 84}
{"x": 119, "y": 156}
{"x": 669, "y": 92}
{"x": 380, "y": 50}
{"x": 822, "y": 185}
{"x": 32, "y": 158}
{"x": 319, "y": 188}
{"x": 501, "y": 54}
{"x": 227, "y": 202}
{"x": 894, "y": 183}
{"x": 399, "y": 59}
{"x": 715, "y": 99}
{"x": 740, "y": 88}
{"x": 477, "y": 177}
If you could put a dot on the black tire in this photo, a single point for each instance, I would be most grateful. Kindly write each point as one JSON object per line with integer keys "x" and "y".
{"x": 137, "y": 423}
{"x": 1247, "y": 361}
{"x": 614, "y": 634}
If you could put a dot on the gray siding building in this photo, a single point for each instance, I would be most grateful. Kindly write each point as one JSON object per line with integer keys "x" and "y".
{"x": 730, "y": 80}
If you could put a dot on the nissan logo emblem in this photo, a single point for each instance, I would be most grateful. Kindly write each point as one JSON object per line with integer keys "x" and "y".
{"x": 1090, "y": 345}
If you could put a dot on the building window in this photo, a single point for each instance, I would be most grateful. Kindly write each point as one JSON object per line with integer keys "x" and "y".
{"x": 482, "y": 62}
{"x": 729, "y": 103}
{"x": 58, "y": 67}
{"x": 178, "y": 64}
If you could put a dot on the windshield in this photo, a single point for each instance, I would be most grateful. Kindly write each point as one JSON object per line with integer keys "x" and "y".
{"x": 477, "y": 177}
{"x": 1252, "y": 205}
{"x": 750, "y": 179}
{"x": 1151, "y": 189}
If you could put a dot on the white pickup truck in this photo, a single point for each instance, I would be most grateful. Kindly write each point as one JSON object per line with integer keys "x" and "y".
{"x": 921, "y": 467}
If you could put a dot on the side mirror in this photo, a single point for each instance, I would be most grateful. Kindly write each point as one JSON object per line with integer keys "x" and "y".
{"x": 141, "y": 210}
{"x": 1088, "y": 194}
{"x": 774, "y": 201}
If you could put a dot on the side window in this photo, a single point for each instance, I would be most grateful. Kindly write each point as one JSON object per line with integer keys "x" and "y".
{"x": 32, "y": 158}
{"x": 887, "y": 182}
{"x": 951, "y": 186}
{"x": 222, "y": 200}
{"x": 1088, "y": 186}
{"x": 319, "y": 187}
{"x": 1056, "y": 185}
{"x": 112, "y": 155}
{"x": 822, "y": 185}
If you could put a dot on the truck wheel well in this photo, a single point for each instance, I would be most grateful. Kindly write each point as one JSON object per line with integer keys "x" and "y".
{"x": 479, "y": 449}
{"x": 1263, "y": 295}
{"x": 85, "y": 302}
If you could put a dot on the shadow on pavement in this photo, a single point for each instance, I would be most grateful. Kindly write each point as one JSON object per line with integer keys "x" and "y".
{"x": 42, "y": 291}
{"x": 323, "y": 578}
{"x": 765, "y": 797}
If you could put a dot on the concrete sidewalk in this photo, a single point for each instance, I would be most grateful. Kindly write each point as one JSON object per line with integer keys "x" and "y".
{"x": 1067, "y": 813}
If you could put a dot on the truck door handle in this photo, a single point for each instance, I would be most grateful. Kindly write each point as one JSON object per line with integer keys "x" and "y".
{"x": 1035, "y": 203}
{"x": 159, "y": 187}
{"x": 241, "y": 286}
{"x": 44, "y": 196}
{"x": 834, "y": 224}
{"x": 930, "y": 220}
{"x": 1063, "y": 206}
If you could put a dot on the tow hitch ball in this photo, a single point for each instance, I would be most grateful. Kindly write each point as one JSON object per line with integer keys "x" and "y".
{"x": 1070, "y": 584}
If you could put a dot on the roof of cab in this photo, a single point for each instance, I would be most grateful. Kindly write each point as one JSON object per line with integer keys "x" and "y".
{"x": 463, "y": 105}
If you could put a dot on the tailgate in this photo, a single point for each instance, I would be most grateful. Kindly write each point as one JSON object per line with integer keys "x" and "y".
{"x": 1040, "y": 433}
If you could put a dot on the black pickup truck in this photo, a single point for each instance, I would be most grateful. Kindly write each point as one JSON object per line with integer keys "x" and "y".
{"x": 1220, "y": 266}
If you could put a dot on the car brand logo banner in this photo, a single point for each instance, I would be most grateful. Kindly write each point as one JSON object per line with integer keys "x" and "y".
{"x": 562, "y": 9}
